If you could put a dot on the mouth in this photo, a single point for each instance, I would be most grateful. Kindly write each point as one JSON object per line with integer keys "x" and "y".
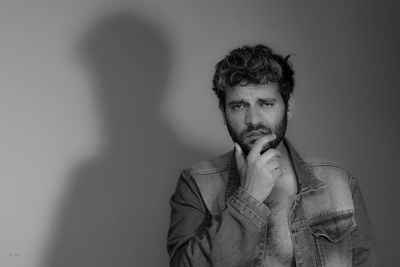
{"x": 256, "y": 134}
{"x": 253, "y": 136}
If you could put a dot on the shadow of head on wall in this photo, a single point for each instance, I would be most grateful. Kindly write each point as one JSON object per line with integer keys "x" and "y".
{"x": 116, "y": 211}
{"x": 129, "y": 60}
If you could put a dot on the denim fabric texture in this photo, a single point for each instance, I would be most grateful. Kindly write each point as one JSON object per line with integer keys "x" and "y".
{"x": 215, "y": 222}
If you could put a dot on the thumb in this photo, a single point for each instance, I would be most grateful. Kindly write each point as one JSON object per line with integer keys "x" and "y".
{"x": 240, "y": 161}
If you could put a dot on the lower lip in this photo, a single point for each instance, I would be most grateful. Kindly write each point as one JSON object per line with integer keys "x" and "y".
{"x": 254, "y": 137}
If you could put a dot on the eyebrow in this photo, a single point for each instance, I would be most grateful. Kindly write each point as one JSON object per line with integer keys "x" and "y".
{"x": 236, "y": 102}
{"x": 269, "y": 99}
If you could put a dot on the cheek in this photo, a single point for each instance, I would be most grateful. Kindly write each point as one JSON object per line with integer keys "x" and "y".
{"x": 274, "y": 118}
{"x": 235, "y": 124}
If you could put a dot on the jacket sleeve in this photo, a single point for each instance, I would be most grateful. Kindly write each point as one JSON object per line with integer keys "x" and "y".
{"x": 231, "y": 238}
{"x": 363, "y": 242}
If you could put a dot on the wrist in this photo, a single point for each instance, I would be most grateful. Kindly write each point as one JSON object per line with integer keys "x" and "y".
{"x": 253, "y": 192}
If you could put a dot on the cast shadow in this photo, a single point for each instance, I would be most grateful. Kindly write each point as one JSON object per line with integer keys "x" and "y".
{"x": 116, "y": 212}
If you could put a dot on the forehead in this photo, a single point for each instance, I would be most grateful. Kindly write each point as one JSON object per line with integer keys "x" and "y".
{"x": 253, "y": 91}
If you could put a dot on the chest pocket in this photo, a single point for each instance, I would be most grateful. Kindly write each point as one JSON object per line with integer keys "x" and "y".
{"x": 332, "y": 236}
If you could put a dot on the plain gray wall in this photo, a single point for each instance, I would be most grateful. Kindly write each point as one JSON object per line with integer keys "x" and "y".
{"x": 104, "y": 102}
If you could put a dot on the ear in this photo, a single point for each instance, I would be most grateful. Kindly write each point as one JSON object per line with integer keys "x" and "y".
{"x": 290, "y": 106}
{"x": 222, "y": 109}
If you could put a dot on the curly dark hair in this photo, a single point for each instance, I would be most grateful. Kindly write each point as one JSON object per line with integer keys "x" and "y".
{"x": 253, "y": 65}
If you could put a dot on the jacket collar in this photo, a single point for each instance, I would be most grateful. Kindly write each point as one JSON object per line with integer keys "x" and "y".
{"x": 306, "y": 180}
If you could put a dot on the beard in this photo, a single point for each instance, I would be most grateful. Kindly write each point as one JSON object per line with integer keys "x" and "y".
{"x": 279, "y": 131}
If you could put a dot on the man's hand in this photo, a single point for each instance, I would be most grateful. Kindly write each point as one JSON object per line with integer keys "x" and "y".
{"x": 258, "y": 173}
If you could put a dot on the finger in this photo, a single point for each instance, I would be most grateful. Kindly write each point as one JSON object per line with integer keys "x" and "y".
{"x": 277, "y": 172}
{"x": 269, "y": 166}
{"x": 259, "y": 144}
{"x": 269, "y": 156}
{"x": 272, "y": 165}
{"x": 240, "y": 160}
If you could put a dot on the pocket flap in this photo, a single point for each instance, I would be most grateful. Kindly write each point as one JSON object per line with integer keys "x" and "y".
{"x": 335, "y": 226}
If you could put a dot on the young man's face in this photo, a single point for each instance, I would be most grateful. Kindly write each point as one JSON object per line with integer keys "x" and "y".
{"x": 253, "y": 111}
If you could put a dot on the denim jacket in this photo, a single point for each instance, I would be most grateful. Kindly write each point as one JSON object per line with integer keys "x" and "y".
{"x": 215, "y": 222}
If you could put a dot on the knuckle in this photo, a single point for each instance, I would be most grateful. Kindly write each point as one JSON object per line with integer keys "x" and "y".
{"x": 268, "y": 153}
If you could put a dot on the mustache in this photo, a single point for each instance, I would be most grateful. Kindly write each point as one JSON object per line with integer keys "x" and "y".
{"x": 258, "y": 128}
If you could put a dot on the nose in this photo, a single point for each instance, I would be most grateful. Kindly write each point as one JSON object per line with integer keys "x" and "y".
{"x": 253, "y": 116}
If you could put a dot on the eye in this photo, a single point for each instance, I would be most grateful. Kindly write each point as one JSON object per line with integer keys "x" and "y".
{"x": 238, "y": 106}
{"x": 267, "y": 104}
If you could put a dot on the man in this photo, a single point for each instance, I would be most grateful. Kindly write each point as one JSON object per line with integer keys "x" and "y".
{"x": 262, "y": 204}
